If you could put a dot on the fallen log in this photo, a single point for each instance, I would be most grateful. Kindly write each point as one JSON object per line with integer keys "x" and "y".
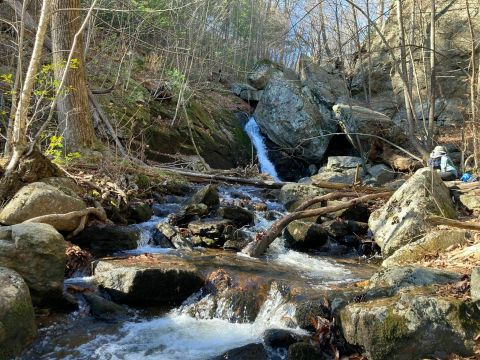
{"x": 348, "y": 187}
{"x": 263, "y": 240}
{"x": 438, "y": 220}
{"x": 99, "y": 213}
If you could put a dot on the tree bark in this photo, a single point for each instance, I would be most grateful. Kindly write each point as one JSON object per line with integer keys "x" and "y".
{"x": 433, "y": 75}
{"x": 75, "y": 120}
{"x": 19, "y": 134}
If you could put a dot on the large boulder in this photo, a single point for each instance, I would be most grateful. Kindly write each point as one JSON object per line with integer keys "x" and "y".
{"x": 262, "y": 72}
{"x": 207, "y": 195}
{"x": 402, "y": 219}
{"x": 37, "y": 253}
{"x": 290, "y": 117}
{"x": 148, "y": 280}
{"x": 359, "y": 120}
{"x": 239, "y": 216}
{"x": 38, "y": 199}
{"x": 304, "y": 235}
{"x": 102, "y": 240}
{"x": 247, "y": 92}
{"x": 411, "y": 326}
{"x": 325, "y": 82}
{"x": 17, "y": 319}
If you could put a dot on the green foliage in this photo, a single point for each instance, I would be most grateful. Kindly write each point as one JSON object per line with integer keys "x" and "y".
{"x": 55, "y": 150}
{"x": 177, "y": 78}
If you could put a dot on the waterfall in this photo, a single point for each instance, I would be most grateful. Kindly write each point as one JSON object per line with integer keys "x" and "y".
{"x": 253, "y": 132}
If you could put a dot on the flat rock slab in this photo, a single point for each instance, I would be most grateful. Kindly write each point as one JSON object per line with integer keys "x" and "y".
{"x": 148, "y": 280}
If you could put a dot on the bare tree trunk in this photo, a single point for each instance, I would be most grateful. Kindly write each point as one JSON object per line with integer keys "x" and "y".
{"x": 19, "y": 137}
{"x": 433, "y": 75}
{"x": 74, "y": 116}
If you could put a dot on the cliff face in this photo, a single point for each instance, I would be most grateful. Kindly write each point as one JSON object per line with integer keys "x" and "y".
{"x": 453, "y": 42}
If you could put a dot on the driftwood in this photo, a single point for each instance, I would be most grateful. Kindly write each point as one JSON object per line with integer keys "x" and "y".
{"x": 263, "y": 240}
{"x": 207, "y": 178}
{"x": 347, "y": 187}
{"x": 438, "y": 220}
{"x": 82, "y": 214}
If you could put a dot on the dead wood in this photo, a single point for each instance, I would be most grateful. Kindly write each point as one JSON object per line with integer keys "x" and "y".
{"x": 438, "y": 220}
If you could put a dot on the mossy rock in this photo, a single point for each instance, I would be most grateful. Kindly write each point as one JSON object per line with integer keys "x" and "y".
{"x": 414, "y": 324}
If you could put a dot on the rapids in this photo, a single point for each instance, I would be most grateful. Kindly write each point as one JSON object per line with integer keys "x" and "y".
{"x": 171, "y": 334}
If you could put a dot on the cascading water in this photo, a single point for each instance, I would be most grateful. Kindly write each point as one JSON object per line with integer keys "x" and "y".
{"x": 253, "y": 132}
{"x": 207, "y": 324}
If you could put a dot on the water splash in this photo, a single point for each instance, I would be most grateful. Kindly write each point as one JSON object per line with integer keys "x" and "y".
{"x": 253, "y": 132}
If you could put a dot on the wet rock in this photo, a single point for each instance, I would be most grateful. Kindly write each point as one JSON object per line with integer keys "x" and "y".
{"x": 147, "y": 280}
{"x": 247, "y": 92}
{"x": 239, "y": 216}
{"x": 358, "y": 212}
{"x": 37, "y": 253}
{"x": 475, "y": 284}
{"x": 402, "y": 218}
{"x": 340, "y": 228}
{"x": 399, "y": 277}
{"x": 343, "y": 162}
{"x": 279, "y": 338}
{"x": 208, "y": 195}
{"x": 104, "y": 309}
{"x": 247, "y": 352}
{"x": 163, "y": 210}
{"x": 189, "y": 213}
{"x": 382, "y": 173}
{"x": 172, "y": 235}
{"x": 308, "y": 310}
{"x": 304, "y": 235}
{"x": 261, "y": 73}
{"x": 304, "y": 351}
{"x": 38, "y": 199}
{"x": 236, "y": 239}
{"x": 209, "y": 232}
{"x": 289, "y": 114}
{"x": 292, "y": 195}
{"x": 102, "y": 240}
{"x": 17, "y": 319}
{"x": 139, "y": 212}
{"x": 411, "y": 326}
{"x": 432, "y": 243}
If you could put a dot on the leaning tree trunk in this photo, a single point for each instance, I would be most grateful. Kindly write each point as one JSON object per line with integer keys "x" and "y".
{"x": 75, "y": 120}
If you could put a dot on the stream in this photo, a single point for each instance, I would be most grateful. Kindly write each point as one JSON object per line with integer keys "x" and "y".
{"x": 161, "y": 333}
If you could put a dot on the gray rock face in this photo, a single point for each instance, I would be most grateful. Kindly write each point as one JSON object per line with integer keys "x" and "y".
{"x": 432, "y": 243}
{"x": 304, "y": 235}
{"x": 261, "y": 74}
{"x": 408, "y": 276}
{"x": 339, "y": 176}
{"x": 239, "y": 216}
{"x": 411, "y": 326}
{"x": 359, "y": 120}
{"x": 37, "y": 253}
{"x": 38, "y": 199}
{"x": 471, "y": 201}
{"x": 207, "y": 195}
{"x": 402, "y": 219}
{"x": 247, "y": 92}
{"x": 292, "y": 195}
{"x": 382, "y": 173}
{"x": 17, "y": 319}
{"x": 290, "y": 116}
{"x": 210, "y": 232}
{"x": 174, "y": 236}
{"x": 102, "y": 240}
{"x": 343, "y": 162}
{"x": 326, "y": 84}
{"x": 475, "y": 284}
{"x": 147, "y": 281}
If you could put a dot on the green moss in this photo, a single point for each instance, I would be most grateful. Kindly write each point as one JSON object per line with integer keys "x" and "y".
{"x": 143, "y": 181}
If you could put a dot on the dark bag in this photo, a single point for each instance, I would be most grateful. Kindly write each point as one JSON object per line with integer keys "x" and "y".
{"x": 436, "y": 163}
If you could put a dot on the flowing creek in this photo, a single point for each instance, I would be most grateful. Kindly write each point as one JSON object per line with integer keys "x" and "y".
{"x": 192, "y": 330}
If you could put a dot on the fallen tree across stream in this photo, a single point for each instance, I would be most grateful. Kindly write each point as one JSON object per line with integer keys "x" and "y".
{"x": 263, "y": 240}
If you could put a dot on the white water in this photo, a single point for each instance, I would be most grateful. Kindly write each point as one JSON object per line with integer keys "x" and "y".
{"x": 253, "y": 132}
